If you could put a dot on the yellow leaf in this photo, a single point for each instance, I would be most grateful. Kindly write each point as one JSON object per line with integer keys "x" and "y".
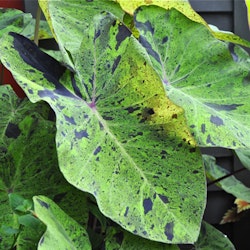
{"x": 185, "y": 8}
{"x": 181, "y": 5}
{"x": 241, "y": 205}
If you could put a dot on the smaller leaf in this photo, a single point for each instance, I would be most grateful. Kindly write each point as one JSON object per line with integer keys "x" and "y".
{"x": 25, "y": 207}
{"x": 7, "y": 230}
{"x": 242, "y": 205}
{"x": 62, "y": 231}
{"x": 230, "y": 184}
{"x": 231, "y": 216}
{"x": 19, "y": 204}
{"x": 29, "y": 220}
{"x": 211, "y": 238}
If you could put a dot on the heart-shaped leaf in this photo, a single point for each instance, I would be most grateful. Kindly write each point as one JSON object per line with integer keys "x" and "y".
{"x": 118, "y": 136}
{"x": 62, "y": 231}
{"x": 200, "y": 75}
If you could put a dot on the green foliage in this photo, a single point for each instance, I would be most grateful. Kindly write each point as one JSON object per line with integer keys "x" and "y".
{"x": 112, "y": 132}
{"x": 211, "y": 238}
{"x": 62, "y": 231}
{"x": 12, "y": 20}
{"x": 231, "y": 184}
{"x": 29, "y": 168}
{"x": 118, "y": 132}
{"x": 200, "y": 75}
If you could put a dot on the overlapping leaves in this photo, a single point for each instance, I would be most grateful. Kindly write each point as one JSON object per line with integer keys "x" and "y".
{"x": 200, "y": 75}
{"x": 28, "y": 166}
{"x": 185, "y": 8}
{"x": 229, "y": 184}
{"x": 12, "y": 20}
{"x": 118, "y": 136}
{"x": 69, "y": 33}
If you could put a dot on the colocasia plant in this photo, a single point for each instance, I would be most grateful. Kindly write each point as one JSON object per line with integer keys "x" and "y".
{"x": 104, "y": 153}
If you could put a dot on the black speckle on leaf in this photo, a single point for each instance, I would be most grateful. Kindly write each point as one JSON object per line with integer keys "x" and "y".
{"x": 174, "y": 116}
{"x": 147, "y": 205}
{"x": 149, "y": 48}
{"x": 163, "y": 198}
{"x": 216, "y": 120}
{"x": 169, "y": 230}
{"x": 209, "y": 140}
{"x": 89, "y": 1}
{"x": 203, "y": 128}
{"x": 97, "y": 34}
{"x": 43, "y": 204}
{"x": 115, "y": 64}
{"x": 165, "y": 39}
{"x": 81, "y": 134}
{"x": 70, "y": 120}
{"x": 126, "y": 212}
{"x": 107, "y": 118}
{"x": 195, "y": 172}
{"x": 149, "y": 27}
{"x": 12, "y": 131}
{"x": 132, "y": 109}
{"x": 177, "y": 69}
{"x": 52, "y": 70}
{"x": 30, "y": 91}
{"x": 123, "y": 33}
{"x": 224, "y": 107}
{"x": 150, "y": 111}
{"x": 97, "y": 150}
{"x": 74, "y": 85}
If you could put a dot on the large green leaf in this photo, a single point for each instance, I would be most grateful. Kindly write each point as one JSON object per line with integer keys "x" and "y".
{"x": 211, "y": 238}
{"x": 69, "y": 31}
{"x": 229, "y": 184}
{"x": 62, "y": 231}
{"x": 118, "y": 136}
{"x": 199, "y": 74}
{"x": 28, "y": 166}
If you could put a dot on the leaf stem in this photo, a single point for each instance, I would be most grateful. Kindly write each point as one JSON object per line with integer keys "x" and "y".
{"x": 225, "y": 176}
{"x": 38, "y": 17}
